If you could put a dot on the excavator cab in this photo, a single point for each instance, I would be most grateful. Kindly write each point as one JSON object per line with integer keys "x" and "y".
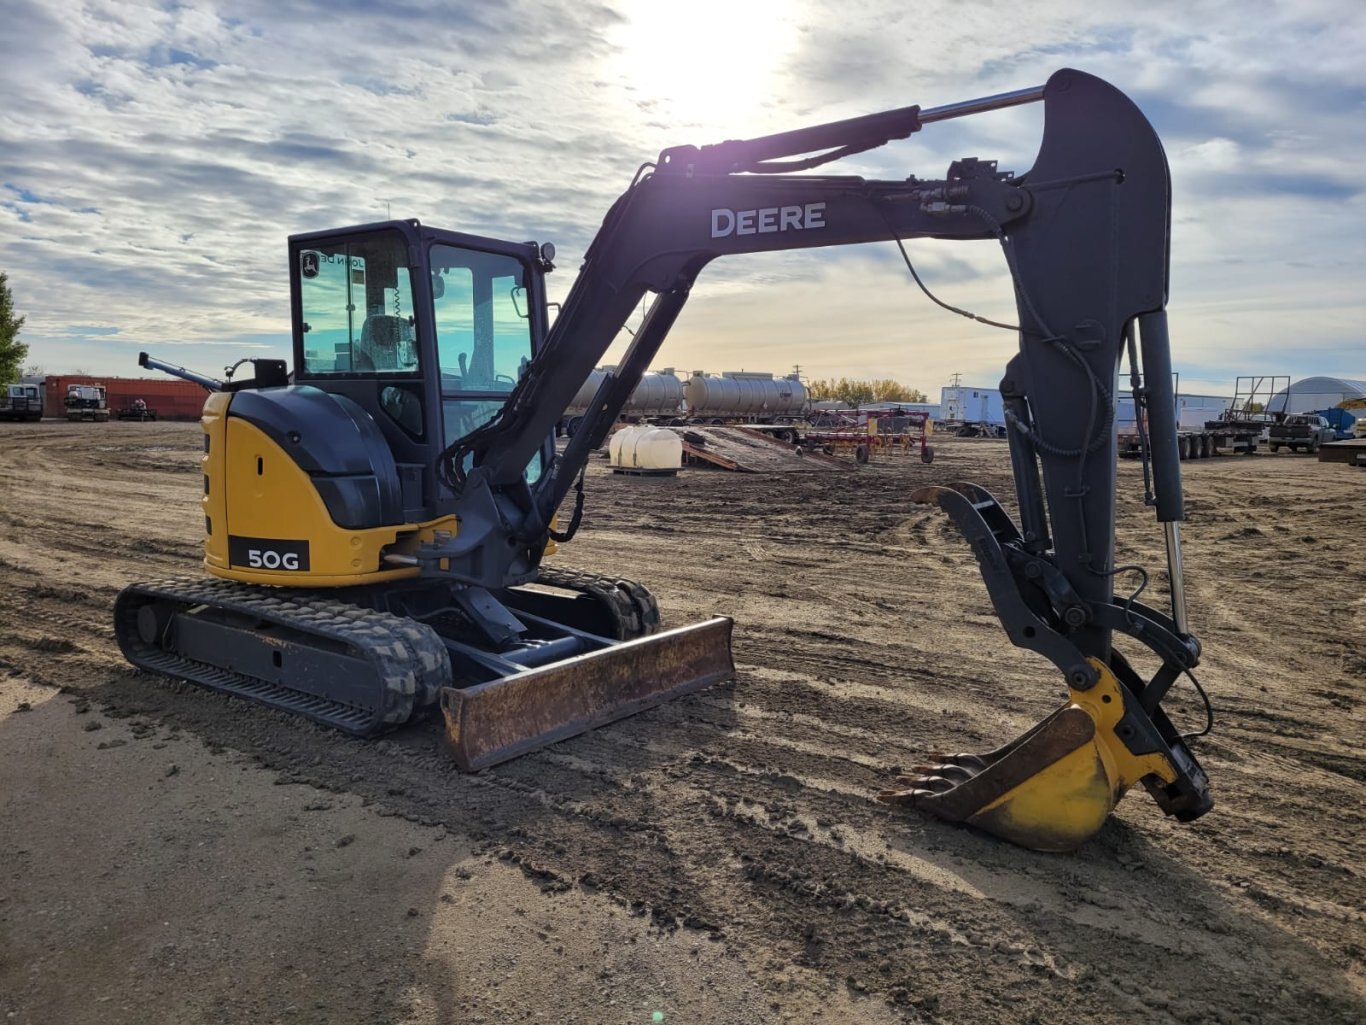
{"x": 427, "y": 331}
{"x": 400, "y": 496}
{"x": 406, "y": 341}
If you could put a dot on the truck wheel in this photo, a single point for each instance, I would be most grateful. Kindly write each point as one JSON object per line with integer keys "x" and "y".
{"x": 1183, "y": 447}
{"x": 1275, "y": 448}
{"x": 927, "y": 454}
{"x": 1313, "y": 447}
{"x": 861, "y": 454}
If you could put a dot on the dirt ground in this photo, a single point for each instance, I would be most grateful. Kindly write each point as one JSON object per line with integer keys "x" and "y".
{"x": 168, "y": 855}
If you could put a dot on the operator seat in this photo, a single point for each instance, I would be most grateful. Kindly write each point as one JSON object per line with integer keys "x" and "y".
{"x": 380, "y": 336}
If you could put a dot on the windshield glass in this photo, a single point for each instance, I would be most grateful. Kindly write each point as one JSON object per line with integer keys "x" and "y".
{"x": 483, "y": 333}
{"x": 483, "y": 336}
{"x": 357, "y": 301}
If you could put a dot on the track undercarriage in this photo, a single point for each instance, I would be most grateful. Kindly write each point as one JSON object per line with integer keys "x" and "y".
{"x": 364, "y": 660}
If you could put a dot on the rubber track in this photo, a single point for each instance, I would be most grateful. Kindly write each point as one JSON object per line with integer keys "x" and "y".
{"x": 409, "y": 661}
{"x": 633, "y": 608}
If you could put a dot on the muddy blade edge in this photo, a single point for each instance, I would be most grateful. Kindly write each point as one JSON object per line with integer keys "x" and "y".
{"x": 496, "y": 721}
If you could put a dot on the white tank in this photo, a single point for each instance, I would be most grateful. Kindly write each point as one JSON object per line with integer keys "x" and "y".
{"x": 659, "y": 392}
{"x": 614, "y": 444}
{"x": 645, "y": 449}
{"x": 736, "y": 393}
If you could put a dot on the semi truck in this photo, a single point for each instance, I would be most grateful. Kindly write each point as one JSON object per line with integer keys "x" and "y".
{"x": 23, "y": 401}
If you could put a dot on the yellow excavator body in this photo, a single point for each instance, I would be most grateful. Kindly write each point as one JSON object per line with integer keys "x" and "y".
{"x": 254, "y": 487}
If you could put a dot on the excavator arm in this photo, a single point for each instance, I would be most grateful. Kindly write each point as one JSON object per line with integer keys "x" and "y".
{"x": 1085, "y": 233}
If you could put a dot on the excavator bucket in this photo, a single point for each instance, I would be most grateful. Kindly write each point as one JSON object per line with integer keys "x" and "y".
{"x": 495, "y": 721}
{"x": 1049, "y": 789}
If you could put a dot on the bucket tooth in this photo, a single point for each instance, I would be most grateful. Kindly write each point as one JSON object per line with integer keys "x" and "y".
{"x": 495, "y": 721}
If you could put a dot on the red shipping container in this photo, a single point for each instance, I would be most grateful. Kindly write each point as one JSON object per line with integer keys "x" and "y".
{"x": 171, "y": 398}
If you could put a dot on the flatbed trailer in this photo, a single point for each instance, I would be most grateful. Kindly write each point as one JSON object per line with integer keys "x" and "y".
{"x": 1353, "y": 452}
{"x": 1239, "y": 427}
{"x": 1199, "y": 443}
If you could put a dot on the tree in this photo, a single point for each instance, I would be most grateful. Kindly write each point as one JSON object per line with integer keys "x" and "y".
{"x": 854, "y": 393}
{"x": 12, "y": 351}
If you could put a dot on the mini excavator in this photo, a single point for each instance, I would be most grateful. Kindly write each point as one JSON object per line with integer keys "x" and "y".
{"x": 376, "y": 524}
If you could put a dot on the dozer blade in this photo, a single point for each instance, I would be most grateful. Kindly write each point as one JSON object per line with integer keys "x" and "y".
{"x": 495, "y": 721}
{"x": 1049, "y": 789}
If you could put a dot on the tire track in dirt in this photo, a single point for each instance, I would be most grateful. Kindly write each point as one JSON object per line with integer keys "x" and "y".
{"x": 744, "y": 812}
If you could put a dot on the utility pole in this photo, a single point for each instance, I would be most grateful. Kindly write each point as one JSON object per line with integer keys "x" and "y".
{"x": 956, "y": 379}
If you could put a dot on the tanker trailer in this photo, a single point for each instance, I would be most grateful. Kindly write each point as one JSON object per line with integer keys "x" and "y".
{"x": 659, "y": 393}
{"x": 742, "y": 396}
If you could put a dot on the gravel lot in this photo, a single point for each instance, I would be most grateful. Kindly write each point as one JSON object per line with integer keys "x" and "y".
{"x": 171, "y": 855}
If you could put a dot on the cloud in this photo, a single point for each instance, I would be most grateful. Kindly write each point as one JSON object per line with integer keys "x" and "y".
{"x": 155, "y": 158}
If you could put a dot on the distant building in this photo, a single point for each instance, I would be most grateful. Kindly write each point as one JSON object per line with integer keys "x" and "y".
{"x": 1311, "y": 393}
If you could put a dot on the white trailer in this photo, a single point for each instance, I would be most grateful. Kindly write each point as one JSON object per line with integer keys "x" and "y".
{"x": 973, "y": 405}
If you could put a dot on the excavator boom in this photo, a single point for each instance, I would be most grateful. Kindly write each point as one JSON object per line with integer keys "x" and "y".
{"x": 1085, "y": 233}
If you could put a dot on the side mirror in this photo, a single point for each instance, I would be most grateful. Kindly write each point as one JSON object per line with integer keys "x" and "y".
{"x": 438, "y": 286}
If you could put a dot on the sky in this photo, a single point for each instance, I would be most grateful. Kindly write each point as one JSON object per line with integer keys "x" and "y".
{"x": 154, "y": 158}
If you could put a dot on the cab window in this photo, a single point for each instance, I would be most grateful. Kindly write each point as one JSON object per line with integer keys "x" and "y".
{"x": 483, "y": 336}
{"x": 483, "y": 333}
{"x": 357, "y": 303}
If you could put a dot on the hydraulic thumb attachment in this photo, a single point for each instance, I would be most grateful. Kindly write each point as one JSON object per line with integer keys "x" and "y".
{"x": 1052, "y": 788}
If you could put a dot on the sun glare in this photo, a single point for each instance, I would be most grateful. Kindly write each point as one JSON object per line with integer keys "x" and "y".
{"x": 709, "y": 63}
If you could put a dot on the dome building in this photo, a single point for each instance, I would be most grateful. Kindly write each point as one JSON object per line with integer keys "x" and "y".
{"x": 1311, "y": 393}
